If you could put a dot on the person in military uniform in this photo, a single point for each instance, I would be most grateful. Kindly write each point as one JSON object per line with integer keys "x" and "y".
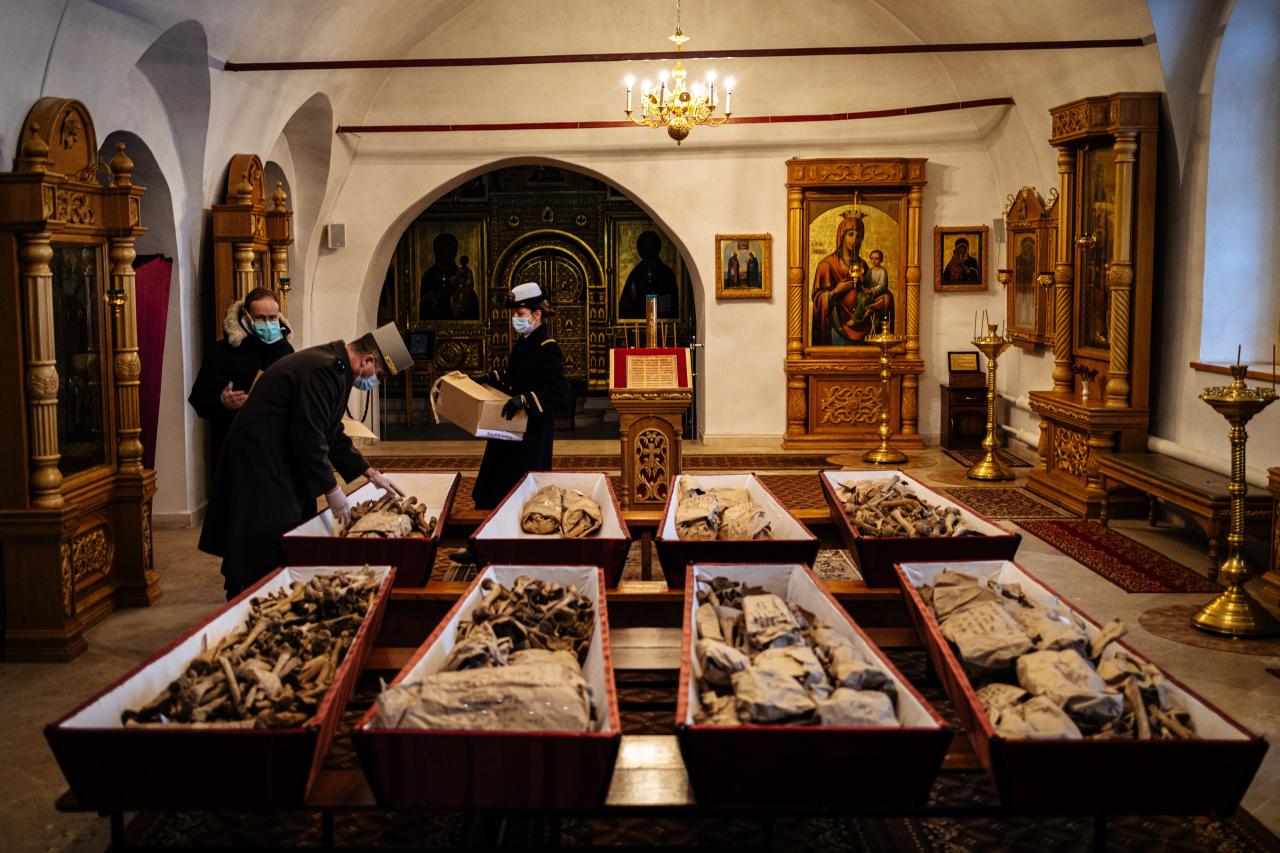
{"x": 278, "y": 455}
{"x": 534, "y": 379}
{"x": 255, "y": 336}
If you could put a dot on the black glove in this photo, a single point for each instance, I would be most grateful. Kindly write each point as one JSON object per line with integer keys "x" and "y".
{"x": 478, "y": 378}
{"x": 512, "y": 406}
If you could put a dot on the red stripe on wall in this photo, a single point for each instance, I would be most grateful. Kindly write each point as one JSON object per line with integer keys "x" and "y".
{"x": 583, "y": 125}
{"x": 757, "y": 53}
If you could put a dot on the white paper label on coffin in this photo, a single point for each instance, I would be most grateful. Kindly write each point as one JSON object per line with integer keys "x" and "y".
{"x": 156, "y": 676}
{"x": 921, "y": 491}
{"x": 782, "y": 524}
{"x": 1209, "y": 724}
{"x": 504, "y": 523}
{"x": 793, "y": 584}
{"x": 431, "y": 489}
{"x": 585, "y": 578}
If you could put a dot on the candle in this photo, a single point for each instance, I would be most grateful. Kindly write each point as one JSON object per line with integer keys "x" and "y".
{"x": 630, "y": 82}
{"x": 975, "y": 324}
{"x": 1238, "y": 347}
{"x": 728, "y": 96}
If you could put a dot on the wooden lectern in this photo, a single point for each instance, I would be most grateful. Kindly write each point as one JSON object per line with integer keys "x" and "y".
{"x": 651, "y": 387}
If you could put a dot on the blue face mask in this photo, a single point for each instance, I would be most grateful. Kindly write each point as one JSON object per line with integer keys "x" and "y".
{"x": 366, "y": 383}
{"x": 267, "y": 332}
{"x": 522, "y": 325}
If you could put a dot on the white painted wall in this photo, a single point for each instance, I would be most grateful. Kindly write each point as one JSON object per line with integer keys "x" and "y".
{"x": 153, "y": 67}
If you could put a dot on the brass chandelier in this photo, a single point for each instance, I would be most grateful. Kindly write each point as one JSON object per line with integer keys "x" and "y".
{"x": 675, "y": 106}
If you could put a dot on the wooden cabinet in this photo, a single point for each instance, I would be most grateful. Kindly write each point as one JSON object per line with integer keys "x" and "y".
{"x": 1031, "y": 237}
{"x": 75, "y": 499}
{"x": 1102, "y": 291}
{"x": 251, "y": 237}
{"x": 964, "y": 416}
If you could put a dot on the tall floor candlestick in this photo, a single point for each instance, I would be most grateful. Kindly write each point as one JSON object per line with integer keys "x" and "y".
{"x": 992, "y": 344}
{"x": 1234, "y": 613}
{"x": 884, "y": 454}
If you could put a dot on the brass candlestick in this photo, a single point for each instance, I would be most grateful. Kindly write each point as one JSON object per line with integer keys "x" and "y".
{"x": 1004, "y": 277}
{"x": 884, "y": 454}
{"x": 992, "y": 344}
{"x": 1234, "y": 613}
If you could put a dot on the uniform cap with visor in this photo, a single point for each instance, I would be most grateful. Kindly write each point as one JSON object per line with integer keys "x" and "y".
{"x": 528, "y": 295}
{"x": 394, "y": 352}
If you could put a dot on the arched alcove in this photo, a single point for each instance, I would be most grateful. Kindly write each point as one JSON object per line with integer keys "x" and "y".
{"x": 307, "y": 141}
{"x": 574, "y": 231}
{"x": 1240, "y": 252}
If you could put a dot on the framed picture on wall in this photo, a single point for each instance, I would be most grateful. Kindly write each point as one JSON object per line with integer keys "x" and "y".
{"x": 643, "y": 262}
{"x": 448, "y": 268}
{"x": 960, "y": 258}
{"x": 743, "y": 266}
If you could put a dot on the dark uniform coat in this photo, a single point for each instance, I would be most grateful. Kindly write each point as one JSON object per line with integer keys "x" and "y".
{"x": 536, "y": 371}
{"x": 276, "y": 460}
{"x": 237, "y": 359}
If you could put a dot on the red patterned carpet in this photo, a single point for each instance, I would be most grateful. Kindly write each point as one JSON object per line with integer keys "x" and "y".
{"x": 613, "y": 462}
{"x": 1004, "y": 502}
{"x": 1129, "y": 565}
{"x": 966, "y": 456}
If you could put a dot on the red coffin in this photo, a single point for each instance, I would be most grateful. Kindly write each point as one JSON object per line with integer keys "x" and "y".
{"x": 1072, "y": 777}
{"x": 791, "y": 543}
{"x": 500, "y": 541}
{"x": 427, "y": 769}
{"x": 876, "y": 555}
{"x": 872, "y": 768}
{"x": 313, "y": 542}
{"x": 111, "y": 767}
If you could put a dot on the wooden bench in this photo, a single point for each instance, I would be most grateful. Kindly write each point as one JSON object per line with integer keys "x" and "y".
{"x": 1201, "y": 493}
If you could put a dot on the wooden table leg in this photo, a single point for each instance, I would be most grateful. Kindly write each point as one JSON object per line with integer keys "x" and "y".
{"x": 1104, "y": 511}
{"x": 1153, "y": 506}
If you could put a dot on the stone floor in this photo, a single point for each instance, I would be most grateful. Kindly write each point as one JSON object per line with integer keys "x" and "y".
{"x": 32, "y": 695}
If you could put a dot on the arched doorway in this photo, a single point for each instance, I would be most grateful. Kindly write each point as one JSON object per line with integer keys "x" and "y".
{"x": 594, "y": 251}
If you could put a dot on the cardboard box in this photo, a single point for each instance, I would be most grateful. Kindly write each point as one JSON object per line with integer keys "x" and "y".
{"x": 468, "y": 769}
{"x": 1039, "y": 776}
{"x": 867, "y": 768}
{"x": 113, "y": 767}
{"x": 476, "y": 408}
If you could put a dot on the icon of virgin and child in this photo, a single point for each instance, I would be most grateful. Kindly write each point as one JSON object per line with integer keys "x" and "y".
{"x": 851, "y": 296}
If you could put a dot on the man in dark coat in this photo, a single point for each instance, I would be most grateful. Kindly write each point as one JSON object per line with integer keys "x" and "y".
{"x": 276, "y": 459}
{"x": 535, "y": 381}
{"x": 255, "y": 336}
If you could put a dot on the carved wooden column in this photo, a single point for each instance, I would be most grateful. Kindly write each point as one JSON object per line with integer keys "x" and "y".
{"x": 1064, "y": 271}
{"x": 910, "y": 381}
{"x": 797, "y": 385}
{"x": 279, "y": 238}
{"x": 240, "y": 235}
{"x": 42, "y": 370}
{"x": 1120, "y": 274}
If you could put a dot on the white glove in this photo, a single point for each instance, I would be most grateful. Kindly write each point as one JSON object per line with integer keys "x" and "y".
{"x": 381, "y": 480}
{"x": 339, "y": 505}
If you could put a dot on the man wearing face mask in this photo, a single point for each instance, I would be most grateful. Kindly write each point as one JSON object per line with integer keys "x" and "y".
{"x": 535, "y": 381}
{"x": 255, "y": 336}
{"x": 281, "y": 450}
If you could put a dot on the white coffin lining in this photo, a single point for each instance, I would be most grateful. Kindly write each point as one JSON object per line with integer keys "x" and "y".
{"x": 145, "y": 685}
{"x": 783, "y": 524}
{"x": 794, "y": 585}
{"x": 431, "y": 489}
{"x": 1209, "y": 724}
{"x": 921, "y": 491}
{"x": 505, "y": 522}
{"x": 585, "y": 578}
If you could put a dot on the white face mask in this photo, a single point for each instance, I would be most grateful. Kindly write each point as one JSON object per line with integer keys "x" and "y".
{"x": 522, "y": 325}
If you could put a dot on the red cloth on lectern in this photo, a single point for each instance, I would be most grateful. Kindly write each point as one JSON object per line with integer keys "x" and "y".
{"x": 152, "y": 310}
{"x": 620, "y": 363}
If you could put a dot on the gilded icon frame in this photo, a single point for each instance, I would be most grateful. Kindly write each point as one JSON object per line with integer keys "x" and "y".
{"x": 763, "y": 246}
{"x": 945, "y": 241}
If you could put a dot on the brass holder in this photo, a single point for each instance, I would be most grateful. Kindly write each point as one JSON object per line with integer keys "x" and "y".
{"x": 992, "y": 344}
{"x": 884, "y": 454}
{"x": 1045, "y": 280}
{"x": 116, "y": 298}
{"x": 1004, "y": 277}
{"x": 285, "y": 287}
{"x": 1234, "y": 613}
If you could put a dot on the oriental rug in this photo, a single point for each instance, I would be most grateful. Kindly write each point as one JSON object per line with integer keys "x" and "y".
{"x": 1173, "y": 622}
{"x": 1003, "y": 502}
{"x": 966, "y": 456}
{"x": 613, "y": 462}
{"x": 1129, "y": 565}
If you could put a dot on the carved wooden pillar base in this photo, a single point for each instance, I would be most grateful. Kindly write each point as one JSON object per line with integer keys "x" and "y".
{"x": 650, "y": 434}
{"x": 42, "y": 615}
{"x": 139, "y": 581}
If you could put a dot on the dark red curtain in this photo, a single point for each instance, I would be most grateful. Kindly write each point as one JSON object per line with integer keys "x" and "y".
{"x": 152, "y": 309}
